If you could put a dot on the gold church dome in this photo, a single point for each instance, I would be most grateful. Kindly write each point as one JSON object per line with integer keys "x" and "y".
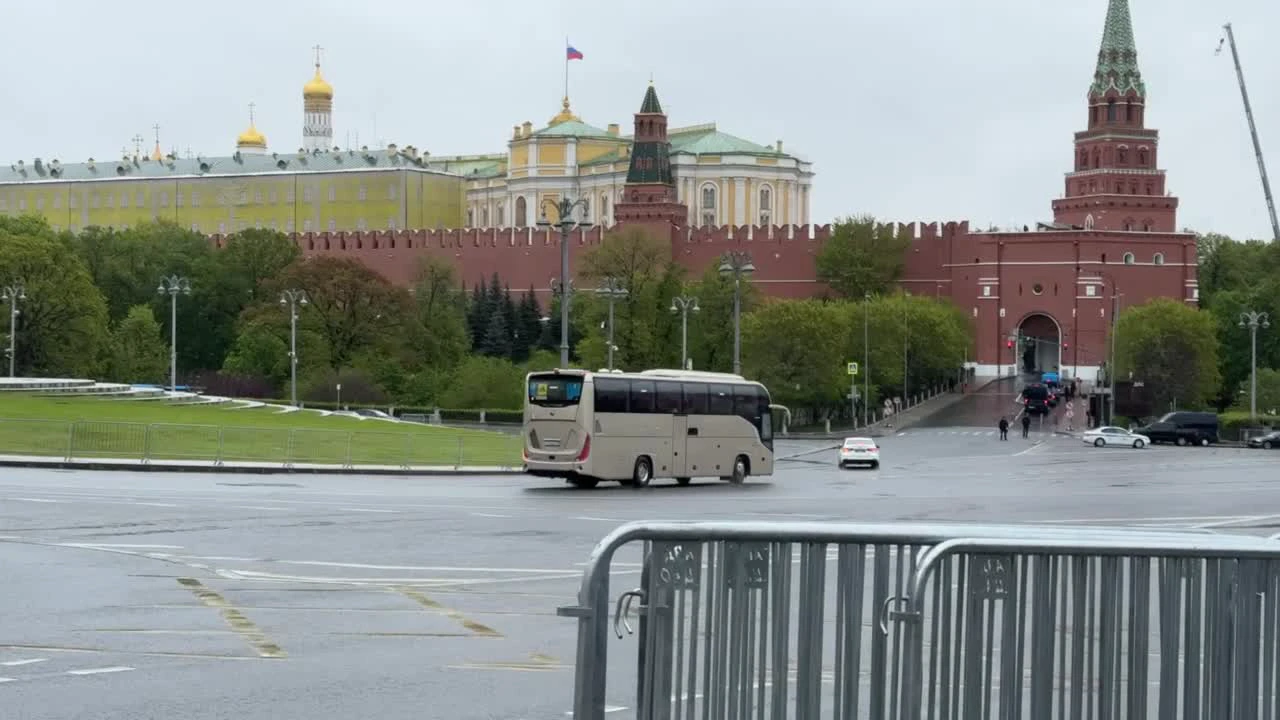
{"x": 318, "y": 87}
{"x": 251, "y": 138}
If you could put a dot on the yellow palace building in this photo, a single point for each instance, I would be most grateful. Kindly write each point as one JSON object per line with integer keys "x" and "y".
{"x": 319, "y": 187}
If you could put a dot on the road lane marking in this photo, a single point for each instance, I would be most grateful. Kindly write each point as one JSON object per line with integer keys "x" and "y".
{"x": 1037, "y": 444}
{"x": 589, "y": 518}
{"x": 426, "y": 568}
{"x": 36, "y": 500}
{"x": 478, "y": 629}
{"x": 121, "y": 545}
{"x": 233, "y": 617}
{"x": 15, "y": 663}
{"x": 368, "y": 510}
{"x": 5, "y": 680}
{"x": 101, "y": 671}
{"x": 489, "y": 515}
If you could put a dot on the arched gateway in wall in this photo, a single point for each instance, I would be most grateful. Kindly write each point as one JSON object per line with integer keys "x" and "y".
{"x": 1039, "y": 346}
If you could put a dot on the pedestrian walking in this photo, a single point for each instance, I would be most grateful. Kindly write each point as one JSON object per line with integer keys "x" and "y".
{"x": 1026, "y": 425}
{"x": 1004, "y": 428}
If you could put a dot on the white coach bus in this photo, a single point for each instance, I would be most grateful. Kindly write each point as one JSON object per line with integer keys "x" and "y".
{"x": 633, "y": 427}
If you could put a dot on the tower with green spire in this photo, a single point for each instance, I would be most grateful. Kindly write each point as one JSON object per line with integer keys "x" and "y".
{"x": 649, "y": 196}
{"x": 1117, "y": 184}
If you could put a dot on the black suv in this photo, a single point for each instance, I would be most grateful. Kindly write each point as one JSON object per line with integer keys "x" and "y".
{"x": 1183, "y": 428}
{"x": 1036, "y": 399}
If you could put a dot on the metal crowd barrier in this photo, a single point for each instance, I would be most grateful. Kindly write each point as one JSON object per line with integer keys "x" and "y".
{"x": 936, "y": 621}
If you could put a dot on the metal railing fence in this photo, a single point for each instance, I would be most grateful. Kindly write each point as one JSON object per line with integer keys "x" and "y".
{"x": 221, "y": 445}
{"x": 827, "y": 620}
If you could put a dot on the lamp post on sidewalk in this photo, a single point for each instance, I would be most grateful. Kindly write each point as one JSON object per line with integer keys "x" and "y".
{"x": 1253, "y": 320}
{"x": 566, "y": 223}
{"x": 612, "y": 289}
{"x": 13, "y": 293}
{"x": 683, "y": 304}
{"x": 866, "y": 356}
{"x": 737, "y": 263}
{"x": 173, "y": 285}
{"x": 293, "y": 298}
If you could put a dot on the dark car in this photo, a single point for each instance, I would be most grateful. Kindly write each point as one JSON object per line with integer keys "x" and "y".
{"x": 1183, "y": 428}
{"x": 1266, "y": 442}
{"x": 1036, "y": 399}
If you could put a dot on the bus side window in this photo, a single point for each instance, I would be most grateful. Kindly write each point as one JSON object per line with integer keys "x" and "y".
{"x": 611, "y": 395}
{"x": 642, "y": 396}
{"x": 720, "y": 400}
{"x": 695, "y": 398}
{"x": 668, "y": 397}
{"x": 744, "y": 402}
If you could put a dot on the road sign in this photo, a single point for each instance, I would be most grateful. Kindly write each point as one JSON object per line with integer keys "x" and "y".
{"x": 853, "y": 368}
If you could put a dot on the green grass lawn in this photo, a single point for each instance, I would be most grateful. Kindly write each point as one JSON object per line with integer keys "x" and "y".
{"x": 89, "y": 427}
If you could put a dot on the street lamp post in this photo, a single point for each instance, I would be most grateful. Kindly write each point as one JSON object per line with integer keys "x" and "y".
{"x": 612, "y": 289}
{"x": 906, "y": 332}
{"x": 1254, "y": 320}
{"x": 293, "y": 298}
{"x": 683, "y": 304}
{"x": 866, "y": 357}
{"x": 173, "y": 285}
{"x": 565, "y": 223}
{"x": 737, "y": 263}
{"x": 13, "y": 293}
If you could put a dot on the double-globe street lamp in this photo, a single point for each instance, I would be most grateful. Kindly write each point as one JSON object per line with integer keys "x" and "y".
{"x": 612, "y": 289}
{"x": 565, "y": 222}
{"x": 292, "y": 299}
{"x": 683, "y": 304}
{"x": 1254, "y": 320}
{"x": 173, "y": 285}
{"x": 13, "y": 293}
{"x": 737, "y": 263}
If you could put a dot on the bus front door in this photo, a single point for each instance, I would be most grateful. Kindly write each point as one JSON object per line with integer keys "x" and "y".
{"x": 679, "y": 446}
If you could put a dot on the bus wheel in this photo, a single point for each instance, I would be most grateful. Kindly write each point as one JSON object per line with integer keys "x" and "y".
{"x": 684, "y": 481}
{"x": 643, "y": 473}
{"x": 586, "y": 483}
{"x": 739, "y": 475}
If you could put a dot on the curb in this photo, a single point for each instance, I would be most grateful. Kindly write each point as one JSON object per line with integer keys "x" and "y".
{"x": 256, "y": 470}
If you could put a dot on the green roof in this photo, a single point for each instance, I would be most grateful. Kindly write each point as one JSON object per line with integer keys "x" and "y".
{"x": 651, "y": 106}
{"x": 1118, "y": 54}
{"x": 243, "y": 164}
{"x": 707, "y": 140}
{"x": 474, "y": 166}
{"x": 572, "y": 128}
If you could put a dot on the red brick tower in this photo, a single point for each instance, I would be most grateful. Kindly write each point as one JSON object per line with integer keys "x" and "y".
{"x": 1117, "y": 184}
{"x": 649, "y": 197}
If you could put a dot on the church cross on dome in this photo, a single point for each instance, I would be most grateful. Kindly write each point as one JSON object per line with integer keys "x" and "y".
{"x": 318, "y": 50}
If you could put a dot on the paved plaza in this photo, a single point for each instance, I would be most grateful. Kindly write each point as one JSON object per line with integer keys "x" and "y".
{"x": 155, "y": 595}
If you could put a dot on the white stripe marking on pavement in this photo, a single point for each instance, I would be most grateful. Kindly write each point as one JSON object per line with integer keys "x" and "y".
{"x": 100, "y": 671}
{"x": 490, "y": 515}
{"x": 368, "y": 510}
{"x": 15, "y": 663}
{"x": 5, "y": 680}
{"x": 38, "y": 500}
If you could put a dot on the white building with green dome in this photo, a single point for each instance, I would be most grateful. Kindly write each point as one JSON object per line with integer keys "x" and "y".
{"x": 722, "y": 179}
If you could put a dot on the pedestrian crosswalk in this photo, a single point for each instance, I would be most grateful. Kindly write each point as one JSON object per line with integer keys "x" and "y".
{"x": 973, "y": 432}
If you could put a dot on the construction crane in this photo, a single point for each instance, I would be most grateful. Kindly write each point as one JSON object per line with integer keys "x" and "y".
{"x": 1253, "y": 130}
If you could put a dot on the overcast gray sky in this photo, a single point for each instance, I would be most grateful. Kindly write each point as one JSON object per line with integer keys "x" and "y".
{"x": 909, "y": 109}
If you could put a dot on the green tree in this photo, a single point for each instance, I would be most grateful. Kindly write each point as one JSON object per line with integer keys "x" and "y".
{"x": 1268, "y": 392}
{"x": 259, "y": 351}
{"x": 62, "y": 326}
{"x": 485, "y": 383}
{"x": 796, "y": 348}
{"x": 353, "y": 307}
{"x": 441, "y": 337}
{"x": 711, "y": 328}
{"x": 862, "y": 256}
{"x": 139, "y": 353}
{"x": 250, "y": 258}
{"x": 1171, "y": 348}
{"x": 645, "y": 331}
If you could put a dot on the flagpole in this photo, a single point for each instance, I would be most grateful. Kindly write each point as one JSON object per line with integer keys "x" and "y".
{"x": 566, "y": 67}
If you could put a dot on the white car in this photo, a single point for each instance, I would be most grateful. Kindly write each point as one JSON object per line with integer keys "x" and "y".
{"x": 859, "y": 451}
{"x": 1107, "y": 435}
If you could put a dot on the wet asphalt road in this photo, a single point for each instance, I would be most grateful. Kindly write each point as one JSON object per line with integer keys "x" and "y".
{"x": 131, "y": 596}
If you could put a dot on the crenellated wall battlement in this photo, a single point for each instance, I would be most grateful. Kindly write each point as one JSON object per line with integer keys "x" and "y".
{"x": 530, "y": 257}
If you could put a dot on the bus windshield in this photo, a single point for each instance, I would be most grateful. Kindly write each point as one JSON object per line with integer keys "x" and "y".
{"x": 551, "y": 390}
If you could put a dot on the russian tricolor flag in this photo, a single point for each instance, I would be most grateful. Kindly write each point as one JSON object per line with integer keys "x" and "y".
{"x": 571, "y": 53}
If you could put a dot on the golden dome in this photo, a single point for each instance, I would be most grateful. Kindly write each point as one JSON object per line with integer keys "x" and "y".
{"x": 251, "y": 138}
{"x": 318, "y": 87}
